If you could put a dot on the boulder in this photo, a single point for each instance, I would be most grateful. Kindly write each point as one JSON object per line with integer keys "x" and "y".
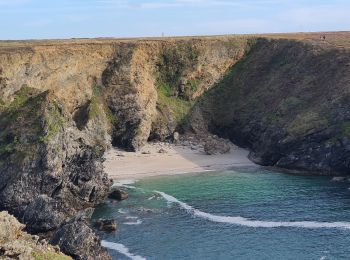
{"x": 108, "y": 225}
{"x": 78, "y": 240}
{"x": 339, "y": 179}
{"x": 118, "y": 194}
{"x": 176, "y": 137}
{"x": 215, "y": 145}
{"x": 162, "y": 150}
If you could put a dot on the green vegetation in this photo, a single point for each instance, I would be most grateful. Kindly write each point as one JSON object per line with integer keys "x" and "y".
{"x": 178, "y": 107}
{"x": 289, "y": 104}
{"x": 112, "y": 118}
{"x": 98, "y": 106}
{"x": 194, "y": 84}
{"x": 31, "y": 118}
{"x": 307, "y": 122}
{"x": 346, "y": 129}
{"x": 54, "y": 121}
{"x": 173, "y": 63}
{"x": 9, "y": 147}
{"x": 2, "y": 105}
{"x": 173, "y": 96}
{"x": 49, "y": 256}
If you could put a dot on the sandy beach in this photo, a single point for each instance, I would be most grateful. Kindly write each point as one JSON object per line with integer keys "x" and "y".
{"x": 168, "y": 159}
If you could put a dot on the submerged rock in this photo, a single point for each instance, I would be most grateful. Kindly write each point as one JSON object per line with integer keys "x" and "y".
{"x": 118, "y": 194}
{"x": 339, "y": 179}
{"x": 108, "y": 225}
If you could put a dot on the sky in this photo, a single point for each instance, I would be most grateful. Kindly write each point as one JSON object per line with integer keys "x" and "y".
{"x": 49, "y": 19}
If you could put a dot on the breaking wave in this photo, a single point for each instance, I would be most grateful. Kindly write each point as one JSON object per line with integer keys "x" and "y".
{"x": 121, "y": 249}
{"x": 252, "y": 223}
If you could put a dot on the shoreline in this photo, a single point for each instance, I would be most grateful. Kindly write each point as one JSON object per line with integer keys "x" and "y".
{"x": 162, "y": 159}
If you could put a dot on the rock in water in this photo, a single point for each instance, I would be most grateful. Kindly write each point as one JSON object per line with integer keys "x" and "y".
{"x": 215, "y": 145}
{"x": 118, "y": 195}
{"x": 339, "y": 179}
{"x": 108, "y": 225}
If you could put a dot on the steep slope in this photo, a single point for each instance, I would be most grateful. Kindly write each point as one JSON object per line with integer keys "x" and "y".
{"x": 49, "y": 169}
{"x": 62, "y": 105}
{"x": 287, "y": 101}
{"x": 17, "y": 244}
{"x": 147, "y": 84}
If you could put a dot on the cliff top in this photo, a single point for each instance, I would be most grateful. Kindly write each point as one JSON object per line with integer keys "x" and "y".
{"x": 326, "y": 39}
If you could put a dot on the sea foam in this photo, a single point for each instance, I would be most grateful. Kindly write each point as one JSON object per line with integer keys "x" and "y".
{"x": 124, "y": 183}
{"x": 121, "y": 249}
{"x": 137, "y": 222}
{"x": 252, "y": 223}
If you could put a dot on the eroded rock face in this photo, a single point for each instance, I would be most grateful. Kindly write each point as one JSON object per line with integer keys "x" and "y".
{"x": 78, "y": 240}
{"x": 50, "y": 170}
{"x": 16, "y": 244}
{"x": 287, "y": 102}
{"x": 45, "y": 154}
{"x": 131, "y": 94}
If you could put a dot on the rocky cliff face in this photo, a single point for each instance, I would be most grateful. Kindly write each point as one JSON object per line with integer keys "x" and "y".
{"x": 62, "y": 103}
{"x": 148, "y": 86}
{"x": 17, "y": 244}
{"x": 287, "y": 101}
{"x": 49, "y": 169}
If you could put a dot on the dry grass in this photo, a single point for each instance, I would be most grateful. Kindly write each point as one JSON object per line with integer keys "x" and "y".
{"x": 333, "y": 39}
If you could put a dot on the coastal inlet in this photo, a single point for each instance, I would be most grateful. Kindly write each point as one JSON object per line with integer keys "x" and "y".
{"x": 241, "y": 214}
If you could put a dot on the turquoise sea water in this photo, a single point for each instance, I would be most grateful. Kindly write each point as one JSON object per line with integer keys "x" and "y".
{"x": 241, "y": 214}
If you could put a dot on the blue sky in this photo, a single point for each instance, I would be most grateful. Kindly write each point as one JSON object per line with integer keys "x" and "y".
{"x": 38, "y": 19}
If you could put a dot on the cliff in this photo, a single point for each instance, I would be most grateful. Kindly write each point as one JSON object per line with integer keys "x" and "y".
{"x": 63, "y": 103}
{"x": 17, "y": 244}
{"x": 288, "y": 102}
{"x": 136, "y": 78}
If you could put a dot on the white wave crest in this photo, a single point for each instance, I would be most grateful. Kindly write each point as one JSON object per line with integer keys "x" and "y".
{"x": 138, "y": 222}
{"x": 253, "y": 223}
{"x": 121, "y": 249}
{"x": 125, "y": 183}
{"x": 131, "y": 217}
